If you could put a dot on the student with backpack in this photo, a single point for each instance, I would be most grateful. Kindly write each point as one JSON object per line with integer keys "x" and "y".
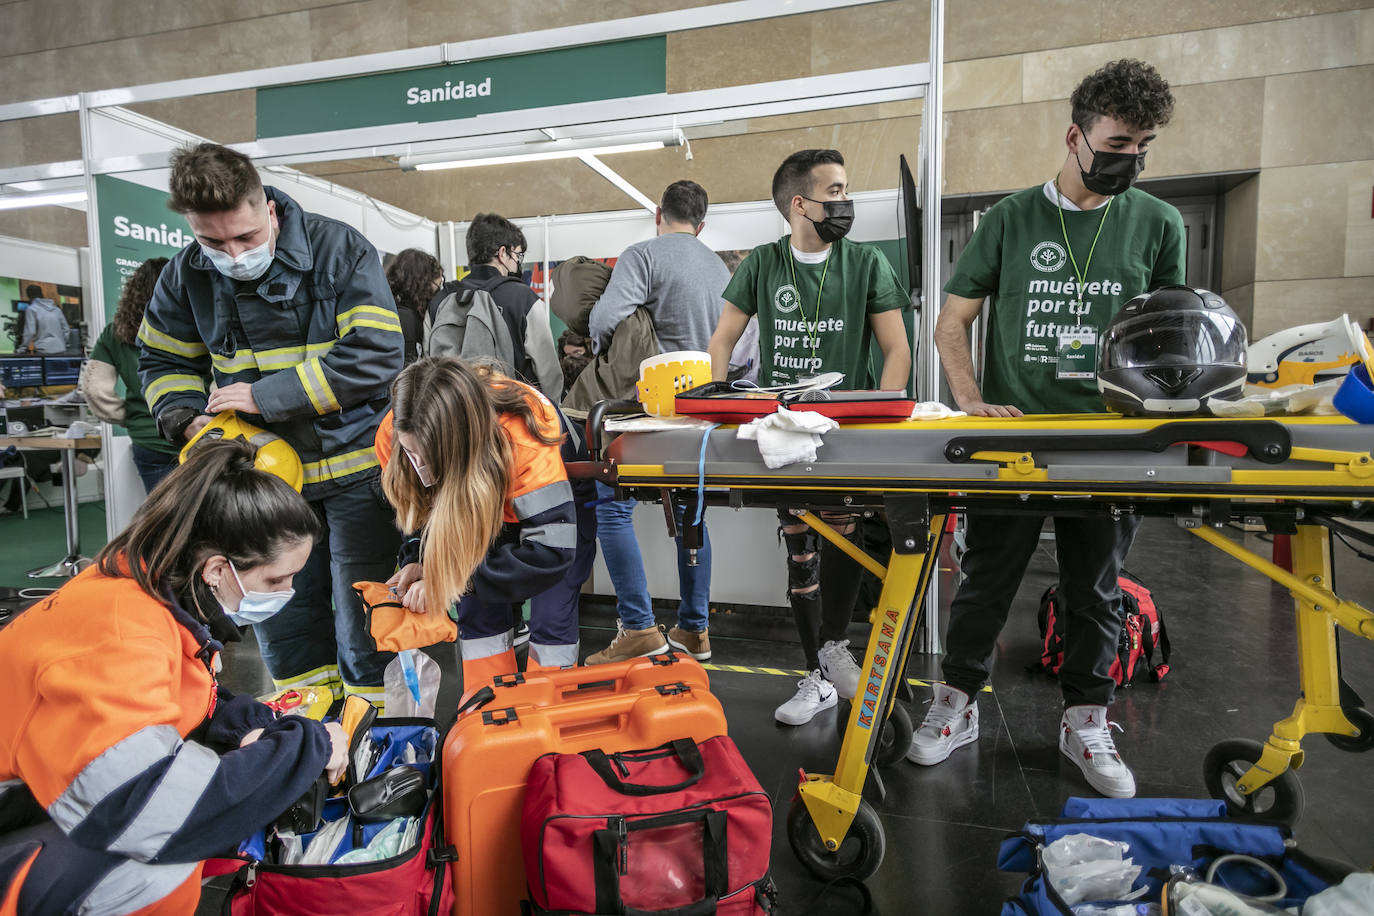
{"x": 492, "y": 313}
{"x": 820, "y": 299}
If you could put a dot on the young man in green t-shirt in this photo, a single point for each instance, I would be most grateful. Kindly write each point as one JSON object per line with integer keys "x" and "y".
{"x": 1057, "y": 261}
{"x": 820, "y": 299}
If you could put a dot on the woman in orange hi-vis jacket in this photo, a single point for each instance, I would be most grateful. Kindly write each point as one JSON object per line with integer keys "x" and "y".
{"x": 123, "y": 764}
{"x": 486, "y": 501}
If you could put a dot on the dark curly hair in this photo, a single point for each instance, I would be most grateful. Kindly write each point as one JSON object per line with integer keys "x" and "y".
{"x": 138, "y": 289}
{"x": 1130, "y": 90}
{"x": 412, "y": 277}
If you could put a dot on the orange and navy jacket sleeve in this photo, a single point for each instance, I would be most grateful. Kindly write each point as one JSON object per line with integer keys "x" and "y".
{"x": 536, "y": 546}
{"x": 104, "y": 749}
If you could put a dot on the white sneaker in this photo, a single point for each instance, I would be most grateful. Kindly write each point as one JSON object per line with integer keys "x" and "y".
{"x": 839, "y": 668}
{"x": 1085, "y": 737}
{"x": 814, "y": 693}
{"x": 950, "y": 723}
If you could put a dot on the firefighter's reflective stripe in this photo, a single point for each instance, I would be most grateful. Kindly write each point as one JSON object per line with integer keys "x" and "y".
{"x": 326, "y": 676}
{"x": 164, "y": 385}
{"x": 340, "y": 465}
{"x": 317, "y": 387}
{"x": 268, "y": 360}
{"x": 160, "y": 340}
{"x": 368, "y": 316}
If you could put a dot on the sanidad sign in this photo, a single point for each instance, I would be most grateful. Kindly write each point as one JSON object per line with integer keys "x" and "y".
{"x": 135, "y": 225}
{"x": 618, "y": 69}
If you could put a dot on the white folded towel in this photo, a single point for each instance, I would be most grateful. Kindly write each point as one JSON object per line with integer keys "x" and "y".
{"x": 788, "y": 436}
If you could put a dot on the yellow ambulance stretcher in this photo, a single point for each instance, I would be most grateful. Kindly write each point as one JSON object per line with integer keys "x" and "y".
{"x": 1303, "y": 476}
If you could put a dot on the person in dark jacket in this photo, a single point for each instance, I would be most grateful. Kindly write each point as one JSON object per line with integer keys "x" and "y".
{"x": 496, "y": 249}
{"x": 290, "y": 314}
{"x": 414, "y": 277}
{"x": 122, "y": 756}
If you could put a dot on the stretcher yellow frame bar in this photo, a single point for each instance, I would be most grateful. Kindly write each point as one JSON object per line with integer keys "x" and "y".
{"x": 1319, "y": 610}
{"x": 832, "y": 801}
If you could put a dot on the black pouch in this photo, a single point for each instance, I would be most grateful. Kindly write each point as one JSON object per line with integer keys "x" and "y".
{"x": 398, "y": 792}
{"x": 306, "y": 814}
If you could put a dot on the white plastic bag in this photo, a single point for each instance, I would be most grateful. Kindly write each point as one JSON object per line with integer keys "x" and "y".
{"x": 400, "y": 690}
{"x": 1082, "y": 867}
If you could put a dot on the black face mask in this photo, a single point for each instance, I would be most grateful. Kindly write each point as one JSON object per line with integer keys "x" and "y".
{"x": 839, "y": 216}
{"x": 1111, "y": 173}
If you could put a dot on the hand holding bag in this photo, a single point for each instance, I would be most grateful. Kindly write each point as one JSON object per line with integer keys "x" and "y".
{"x": 394, "y": 628}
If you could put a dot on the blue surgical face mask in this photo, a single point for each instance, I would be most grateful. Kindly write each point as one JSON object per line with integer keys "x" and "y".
{"x": 250, "y": 265}
{"x": 255, "y": 607}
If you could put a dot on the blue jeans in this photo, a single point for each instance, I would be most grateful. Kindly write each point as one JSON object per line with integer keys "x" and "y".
{"x": 322, "y": 626}
{"x": 615, "y": 530}
{"x": 152, "y": 465}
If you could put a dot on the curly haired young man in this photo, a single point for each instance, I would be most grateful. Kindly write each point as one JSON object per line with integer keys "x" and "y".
{"x": 1058, "y": 260}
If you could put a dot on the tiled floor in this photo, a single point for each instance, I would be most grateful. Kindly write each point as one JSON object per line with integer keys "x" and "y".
{"x": 1234, "y": 674}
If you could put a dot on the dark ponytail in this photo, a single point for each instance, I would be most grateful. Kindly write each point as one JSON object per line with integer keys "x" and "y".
{"x": 214, "y": 503}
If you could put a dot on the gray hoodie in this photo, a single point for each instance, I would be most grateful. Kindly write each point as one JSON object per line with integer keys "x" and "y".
{"x": 45, "y": 327}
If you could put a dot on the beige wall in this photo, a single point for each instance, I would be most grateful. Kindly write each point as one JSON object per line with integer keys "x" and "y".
{"x": 1278, "y": 86}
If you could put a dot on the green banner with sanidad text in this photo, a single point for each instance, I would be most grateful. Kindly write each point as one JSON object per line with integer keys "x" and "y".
{"x": 135, "y": 225}
{"x": 618, "y": 69}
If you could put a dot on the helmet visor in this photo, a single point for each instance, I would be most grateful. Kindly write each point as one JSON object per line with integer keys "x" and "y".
{"x": 1174, "y": 339}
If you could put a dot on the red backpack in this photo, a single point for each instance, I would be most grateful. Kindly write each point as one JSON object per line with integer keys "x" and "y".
{"x": 1141, "y": 635}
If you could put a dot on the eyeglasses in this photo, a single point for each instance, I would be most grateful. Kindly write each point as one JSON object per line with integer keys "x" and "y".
{"x": 518, "y": 255}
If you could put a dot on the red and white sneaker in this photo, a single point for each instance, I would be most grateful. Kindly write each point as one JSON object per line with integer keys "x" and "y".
{"x": 1085, "y": 737}
{"x": 950, "y": 723}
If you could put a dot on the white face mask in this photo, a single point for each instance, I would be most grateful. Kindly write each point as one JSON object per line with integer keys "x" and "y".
{"x": 426, "y": 478}
{"x": 250, "y": 265}
{"x": 255, "y": 607}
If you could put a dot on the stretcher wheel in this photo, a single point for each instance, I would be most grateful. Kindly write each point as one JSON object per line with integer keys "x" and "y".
{"x": 1279, "y": 800}
{"x": 895, "y": 738}
{"x": 1362, "y": 719}
{"x": 859, "y": 855}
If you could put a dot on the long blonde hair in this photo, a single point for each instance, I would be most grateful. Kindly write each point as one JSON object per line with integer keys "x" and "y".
{"x": 454, "y": 408}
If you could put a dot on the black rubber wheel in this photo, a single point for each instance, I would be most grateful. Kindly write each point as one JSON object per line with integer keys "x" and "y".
{"x": 893, "y": 741}
{"x": 859, "y": 855}
{"x": 1279, "y": 800}
{"x": 1363, "y": 719}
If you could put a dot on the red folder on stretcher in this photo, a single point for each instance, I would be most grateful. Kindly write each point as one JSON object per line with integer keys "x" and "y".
{"x": 719, "y": 402}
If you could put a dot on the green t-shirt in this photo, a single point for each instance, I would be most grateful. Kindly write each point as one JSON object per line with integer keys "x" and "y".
{"x": 800, "y": 337}
{"x": 1018, "y": 257}
{"x": 138, "y": 420}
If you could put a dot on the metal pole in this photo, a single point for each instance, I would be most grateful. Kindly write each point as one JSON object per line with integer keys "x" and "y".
{"x": 932, "y": 182}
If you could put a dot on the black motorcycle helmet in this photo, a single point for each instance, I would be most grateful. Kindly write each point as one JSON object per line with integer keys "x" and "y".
{"x": 1169, "y": 352}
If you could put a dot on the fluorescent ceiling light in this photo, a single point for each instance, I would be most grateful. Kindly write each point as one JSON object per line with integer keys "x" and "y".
{"x": 43, "y": 199}
{"x": 540, "y": 152}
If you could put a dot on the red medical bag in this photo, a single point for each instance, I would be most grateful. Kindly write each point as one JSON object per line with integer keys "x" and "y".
{"x": 684, "y": 827}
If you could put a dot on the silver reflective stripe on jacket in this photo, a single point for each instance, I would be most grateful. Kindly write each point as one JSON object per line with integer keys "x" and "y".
{"x": 132, "y": 885}
{"x": 170, "y": 804}
{"x": 547, "y": 497}
{"x": 109, "y": 771}
{"x": 556, "y": 534}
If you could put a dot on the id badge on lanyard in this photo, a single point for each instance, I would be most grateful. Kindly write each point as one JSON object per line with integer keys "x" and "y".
{"x": 1077, "y": 354}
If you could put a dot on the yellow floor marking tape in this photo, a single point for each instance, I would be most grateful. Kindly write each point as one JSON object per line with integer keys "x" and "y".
{"x": 788, "y": 672}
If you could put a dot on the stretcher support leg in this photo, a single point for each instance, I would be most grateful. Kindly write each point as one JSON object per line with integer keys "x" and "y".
{"x": 834, "y": 801}
{"x": 1319, "y": 610}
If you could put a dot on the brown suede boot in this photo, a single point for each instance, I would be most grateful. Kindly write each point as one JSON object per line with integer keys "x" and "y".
{"x": 630, "y": 644}
{"x": 697, "y": 645}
